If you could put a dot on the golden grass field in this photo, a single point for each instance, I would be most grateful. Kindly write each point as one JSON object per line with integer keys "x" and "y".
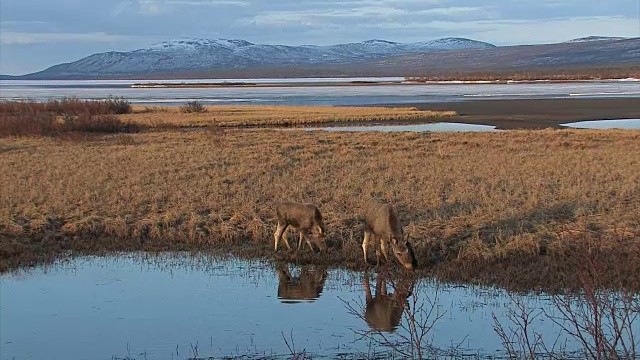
{"x": 259, "y": 115}
{"x": 491, "y": 207}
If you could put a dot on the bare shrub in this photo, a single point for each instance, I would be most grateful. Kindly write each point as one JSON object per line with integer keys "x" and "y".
{"x": 27, "y": 124}
{"x": 118, "y": 105}
{"x": 193, "y": 107}
{"x": 68, "y": 106}
{"x": 97, "y": 124}
{"x": 602, "y": 320}
{"x": 47, "y": 124}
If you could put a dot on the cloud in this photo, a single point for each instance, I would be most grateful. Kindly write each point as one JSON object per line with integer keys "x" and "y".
{"x": 214, "y": 3}
{"x": 153, "y": 7}
{"x": 12, "y": 38}
{"x": 161, "y": 7}
{"x": 356, "y": 15}
{"x": 519, "y": 31}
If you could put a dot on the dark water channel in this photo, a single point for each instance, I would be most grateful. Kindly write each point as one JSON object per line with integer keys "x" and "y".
{"x": 177, "y": 306}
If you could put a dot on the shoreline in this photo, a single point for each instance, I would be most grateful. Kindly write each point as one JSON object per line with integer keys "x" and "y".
{"x": 405, "y": 82}
{"x": 529, "y": 114}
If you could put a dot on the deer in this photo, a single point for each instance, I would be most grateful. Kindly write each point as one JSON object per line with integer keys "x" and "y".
{"x": 382, "y": 226}
{"x": 306, "y": 218}
{"x": 383, "y": 312}
{"x": 307, "y": 286}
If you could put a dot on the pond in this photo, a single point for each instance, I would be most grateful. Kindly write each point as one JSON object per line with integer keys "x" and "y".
{"x": 606, "y": 124}
{"x": 436, "y": 127}
{"x": 179, "y": 306}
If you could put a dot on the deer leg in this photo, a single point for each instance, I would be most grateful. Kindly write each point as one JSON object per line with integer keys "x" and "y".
{"x": 280, "y": 231}
{"x": 378, "y": 245}
{"x": 286, "y": 237}
{"x": 367, "y": 236}
{"x": 277, "y": 235}
{"x": 383, "y": 248}
{"x": 305, "y": 235}
{"x": 309, "y": 243}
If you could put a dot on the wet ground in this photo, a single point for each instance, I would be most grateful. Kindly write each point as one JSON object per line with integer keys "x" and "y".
{"x": 177, "y": 306}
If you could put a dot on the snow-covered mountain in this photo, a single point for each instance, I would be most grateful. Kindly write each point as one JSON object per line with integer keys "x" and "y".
{"x": 193, "y": 54}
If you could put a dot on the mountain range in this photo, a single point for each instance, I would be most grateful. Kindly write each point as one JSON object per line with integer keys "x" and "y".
{"x": 189, "y": 57}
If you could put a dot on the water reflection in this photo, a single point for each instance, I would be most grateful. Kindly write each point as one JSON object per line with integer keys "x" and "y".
{"x": 383, "y": 311}
{"x": 179, "y": 306}
{"x": 306, "y": 286}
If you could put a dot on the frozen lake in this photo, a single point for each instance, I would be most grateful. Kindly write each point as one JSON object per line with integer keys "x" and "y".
{"x": 310, "y": 95}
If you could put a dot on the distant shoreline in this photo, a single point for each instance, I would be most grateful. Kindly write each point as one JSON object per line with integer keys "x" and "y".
{"x": 407, "y": 82}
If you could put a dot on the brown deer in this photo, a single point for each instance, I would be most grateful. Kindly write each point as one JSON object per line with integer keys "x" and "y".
{"x": 383, "y": 312}
{"x": 306, "y": 218}
{"x": 382, "y": 226}
{"x": 307, "y": 285}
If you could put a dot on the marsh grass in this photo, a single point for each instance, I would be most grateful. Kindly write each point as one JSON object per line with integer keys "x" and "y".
{"x": 259, "y": 115}
{"x": 509, "y": 208}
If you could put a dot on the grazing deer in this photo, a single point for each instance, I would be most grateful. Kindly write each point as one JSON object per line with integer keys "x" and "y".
{"x": 383, "y": 312}
{"x": 306, "y": 218}
{"x": 307, "y": 285}
{"x": 382, "y": 226}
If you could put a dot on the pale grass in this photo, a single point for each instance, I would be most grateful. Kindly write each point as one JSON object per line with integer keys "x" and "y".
{"x": 499, "y": 196}
{"x": 259, "y": 115}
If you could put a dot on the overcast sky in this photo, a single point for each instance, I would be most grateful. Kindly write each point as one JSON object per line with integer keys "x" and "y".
{"x": 35, "y": 34}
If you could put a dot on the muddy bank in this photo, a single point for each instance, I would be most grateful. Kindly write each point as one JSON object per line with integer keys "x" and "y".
{"x": 518, "y": 272}
{"x": 532, "y": 113}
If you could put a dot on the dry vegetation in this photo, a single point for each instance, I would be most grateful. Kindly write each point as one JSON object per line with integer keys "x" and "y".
{"x": 257, "y": 115}
{"x": 514, "y": 208}
{"x": 56, "y": 117}
{"x": 61, "y": 117}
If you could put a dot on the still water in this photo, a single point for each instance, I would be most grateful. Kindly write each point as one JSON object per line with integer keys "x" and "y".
{"x": 310, "y": 95}
{"x": 435, "y": 127}
{"x": 631, "y": 124}
{"x": 177, "y": 306}
{"x": 606, "y": 124}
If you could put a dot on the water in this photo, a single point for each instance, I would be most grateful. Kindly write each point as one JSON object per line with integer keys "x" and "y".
{"x": 177, "y": 307}
{"x": 309, "y": 95}
{"x": 436, "y": 127}
{"x": 606, "y": 124}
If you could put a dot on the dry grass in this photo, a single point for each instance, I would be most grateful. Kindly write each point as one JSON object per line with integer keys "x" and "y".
{"x": 495, "y": 207}
{"x": 257, "y": 115}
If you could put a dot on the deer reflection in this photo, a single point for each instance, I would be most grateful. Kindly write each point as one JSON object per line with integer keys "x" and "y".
{"x": 306, "y": 286}
{"x": 383, "y": 311}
